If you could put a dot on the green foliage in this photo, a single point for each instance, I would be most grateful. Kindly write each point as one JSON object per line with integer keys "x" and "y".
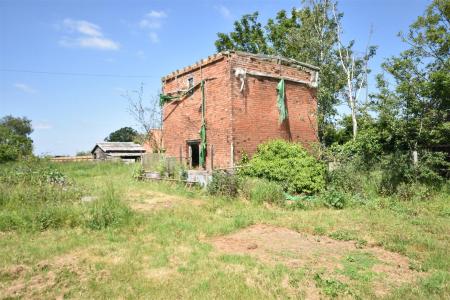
{"x": 171, "y": 168}
{"x": 331, "y": 287}
{"x": 138, "y": 171}
{"x": 334, "y": 199}
{"x": 287, "y": 164}
{"x": 413, "y": 114}
{"x": 124, "y": 134}
{"x": 261, "y": 190}
{"x": 248, "y": 36}
{"x": 358, "y": 266}
{"x": 294, "y": 35}
{"x": 14, "y": 138}
{"x": 224, "y": 184}
{"x": 398, "y": 170}
{"x": 108, "y": 211}
{"x": 83, "y": 153}
{"x": 35, "y": 195}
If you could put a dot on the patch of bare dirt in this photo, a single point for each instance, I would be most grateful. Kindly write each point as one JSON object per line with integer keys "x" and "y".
{"x": 274, "y": 245}
{"x": 30, "y": 281}
{"x": 27, "y": 281}
{"x": 152, "y": 200}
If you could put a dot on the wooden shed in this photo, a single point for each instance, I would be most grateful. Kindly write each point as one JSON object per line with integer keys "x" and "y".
{"x": 125, "y": 151}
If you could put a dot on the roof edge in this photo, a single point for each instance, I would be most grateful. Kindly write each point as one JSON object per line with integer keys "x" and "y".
{"x": 276, "y": 57}
{"x": 212, "y": 58}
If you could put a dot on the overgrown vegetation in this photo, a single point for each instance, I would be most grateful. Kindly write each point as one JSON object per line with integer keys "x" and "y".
{"x": 287, "y": 164}
{"x": 93, "y": 246}
{"x": 262, "y": 191}
{"x": 36, "y": 195}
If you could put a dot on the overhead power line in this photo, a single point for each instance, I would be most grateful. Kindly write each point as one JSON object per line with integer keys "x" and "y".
{"x": 78, "y": 74}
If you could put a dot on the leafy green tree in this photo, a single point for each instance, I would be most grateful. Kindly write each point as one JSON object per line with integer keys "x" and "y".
{"x": 83, "y": 153}
{"x": 124, "y": 134}
{"x": 414, "y": 112}
{"x": 307, "y": 34}
{"x": 14, "y": 138}
{"x": 248, "y": 36}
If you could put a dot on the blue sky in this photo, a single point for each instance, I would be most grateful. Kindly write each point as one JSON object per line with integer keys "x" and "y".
{"x": 136, "y": 41}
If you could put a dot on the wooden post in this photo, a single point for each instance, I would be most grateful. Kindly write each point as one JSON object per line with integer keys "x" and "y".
{"x": 190, "y": 156}
{"x": 415, "y": 157}
{"x": 181, "y": 154}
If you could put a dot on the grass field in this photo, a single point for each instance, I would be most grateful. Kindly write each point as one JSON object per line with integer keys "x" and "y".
{"x": 130, "y": 239}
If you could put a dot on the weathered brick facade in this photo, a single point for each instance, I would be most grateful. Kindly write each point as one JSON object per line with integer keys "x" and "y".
{"x": 241, "y": 106}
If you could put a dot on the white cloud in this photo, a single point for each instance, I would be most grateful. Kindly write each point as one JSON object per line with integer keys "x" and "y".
{"x": 154, "y": 38}
{"x": 141, "y": 54}
{"x": 224, "y": 11}
{"x": 99, "y": 43}
{"x": 42, "y": 125}
{"x": 83, "y": 27}
{"x": 25, "y": 88}
{"x": 89, "y": 34}
{"x": 157, "y": 14}
{"x": 153, "y": 19}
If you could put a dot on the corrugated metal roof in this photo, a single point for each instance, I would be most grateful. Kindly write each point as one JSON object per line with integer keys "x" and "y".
{"x": 119, "y": 146}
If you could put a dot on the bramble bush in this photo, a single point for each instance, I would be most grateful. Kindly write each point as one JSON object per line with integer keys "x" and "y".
{"x": 287, "y": 164}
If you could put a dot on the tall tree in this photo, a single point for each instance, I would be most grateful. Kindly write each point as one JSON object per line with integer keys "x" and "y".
{"x": 414, "y": 113}
{"x": 355, "y": 70}
{"x": 148, "y": 115}
{"x": 14, "y": 138}
{"x": 248, "y": 36}
{"x": 124, "y": 134}
{"x": 307, "y": 34}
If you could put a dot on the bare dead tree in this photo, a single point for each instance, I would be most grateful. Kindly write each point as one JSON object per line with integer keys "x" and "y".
{"x": 147, "y": 114}
{"x": 355, "y": 69}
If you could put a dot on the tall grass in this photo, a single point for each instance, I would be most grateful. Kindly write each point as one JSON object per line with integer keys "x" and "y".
{"x": 35, "y": 195}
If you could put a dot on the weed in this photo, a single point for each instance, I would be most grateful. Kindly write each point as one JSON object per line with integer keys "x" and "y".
{"x": 358, "y": 265}
{"x": 331, "y": 287}
{"x": 334, "y": 199}
{"x": 224, "y": 184}
{"x": 260, "y": 190}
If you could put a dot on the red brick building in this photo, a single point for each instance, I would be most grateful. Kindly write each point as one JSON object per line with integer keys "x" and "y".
{"x": 241, "y": 112}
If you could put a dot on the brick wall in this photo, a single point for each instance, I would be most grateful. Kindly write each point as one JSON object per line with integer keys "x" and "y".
{"x": 238, "y": 120}
{"x": 182, "y": 120}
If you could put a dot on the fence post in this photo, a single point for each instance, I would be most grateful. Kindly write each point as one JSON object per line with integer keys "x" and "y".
{"x": 415, "y": 157}
{"x": 190, "y": 157}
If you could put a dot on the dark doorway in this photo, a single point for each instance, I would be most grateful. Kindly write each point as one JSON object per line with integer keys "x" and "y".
{"x": 195, "y": 153}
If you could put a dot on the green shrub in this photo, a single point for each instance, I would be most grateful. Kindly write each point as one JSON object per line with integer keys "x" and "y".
{"x": 261, "y": 190}
{"x": 398, "y": 171}
{"x": 334, "y": 199}
{"x": 287, "y": 164}
{"x": 224, "y": 184}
